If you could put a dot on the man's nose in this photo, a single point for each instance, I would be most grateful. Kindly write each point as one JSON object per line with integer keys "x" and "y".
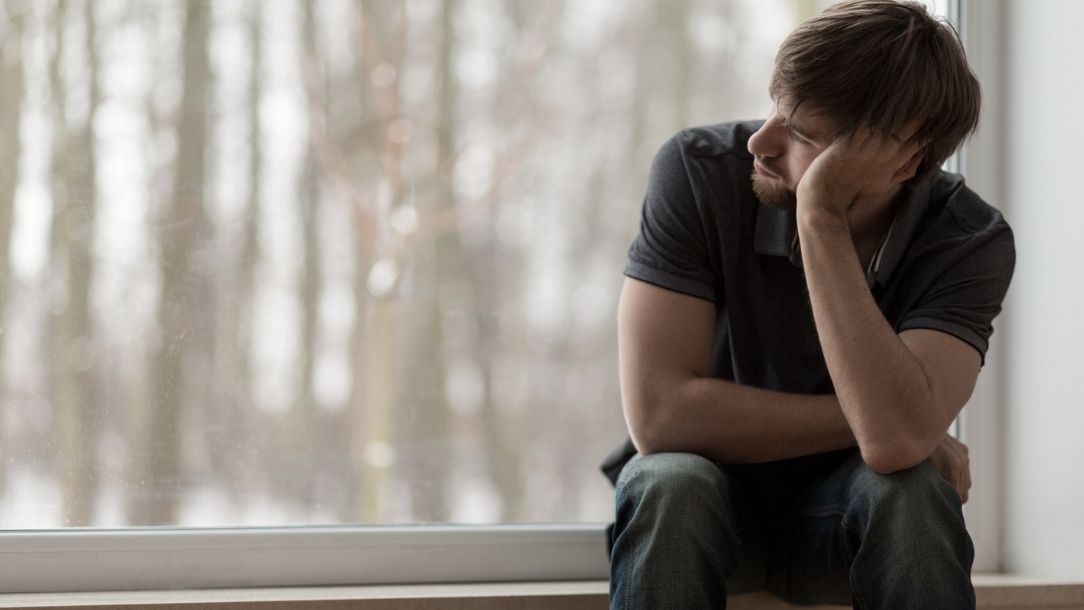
{"x": 766, "y": 142}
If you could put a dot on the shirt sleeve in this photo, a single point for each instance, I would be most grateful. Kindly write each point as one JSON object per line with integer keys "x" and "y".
{"x": 964, "y": 299}
{"x": 670, "y": 250}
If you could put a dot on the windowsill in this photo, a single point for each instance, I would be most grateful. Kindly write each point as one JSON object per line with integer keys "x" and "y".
{"x": 993, "y": 590}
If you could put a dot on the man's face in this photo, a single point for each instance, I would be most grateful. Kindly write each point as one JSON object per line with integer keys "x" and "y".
{"x": 782, "y": 150}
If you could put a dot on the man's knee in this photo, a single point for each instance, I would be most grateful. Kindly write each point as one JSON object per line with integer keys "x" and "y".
{"x": 674, "y": 537}
{"x": 912, "y": 511}
{"x": 917, "y": 489}
{"x": 672, "y": 482}
{"x": 911, "y": 528}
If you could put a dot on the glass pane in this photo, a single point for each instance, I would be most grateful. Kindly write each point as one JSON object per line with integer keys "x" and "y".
{"x": 286, "y": 262}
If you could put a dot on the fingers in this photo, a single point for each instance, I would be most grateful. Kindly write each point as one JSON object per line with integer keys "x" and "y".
{"x": 962, "y": 458}
{"x": 959, "y": 465}
{"x": 966, "y": 469}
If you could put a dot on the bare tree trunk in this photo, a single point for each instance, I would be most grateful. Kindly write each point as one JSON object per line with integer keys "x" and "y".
{"x": 11, "y": 98}
{"x": 232, "y": 450}
{"x": 422, "y": 427}
{"x": 506, "y": 442}
{"x": 243, "y": 401}
{"x": 376, "y": 396}
{"x": 183, "y": 226}
{"x": 78, "y": 400}
{"x": 302, "y": 420}
{"x": 58, "y": 234}
{"x": 352, "y": 418}
{"x": 72, "y": 333}
{"x": 355, "y": 423}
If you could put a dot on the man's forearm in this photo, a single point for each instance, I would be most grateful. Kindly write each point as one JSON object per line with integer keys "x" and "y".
{"x": 728, "y": 422}
{"x": 882, "y": 389}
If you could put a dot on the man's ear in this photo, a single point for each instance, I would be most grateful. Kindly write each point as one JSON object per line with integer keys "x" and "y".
{"x": 908, "y": 169}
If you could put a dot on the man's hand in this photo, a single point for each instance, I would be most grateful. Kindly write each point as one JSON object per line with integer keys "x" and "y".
{"x": 951, "y": 458}
{"x": 861, "y": 164}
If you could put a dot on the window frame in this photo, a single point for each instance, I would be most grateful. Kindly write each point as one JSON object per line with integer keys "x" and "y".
{"x": 981, "y": 24}
{"x": 59, "y": 561}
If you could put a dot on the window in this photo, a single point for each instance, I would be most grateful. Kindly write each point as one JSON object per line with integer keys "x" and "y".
{"x": 292, "y": 263}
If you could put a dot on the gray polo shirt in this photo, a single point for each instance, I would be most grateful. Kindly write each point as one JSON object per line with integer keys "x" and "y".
{"x": 945, "y": 264}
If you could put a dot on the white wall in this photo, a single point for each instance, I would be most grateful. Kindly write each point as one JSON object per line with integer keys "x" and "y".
{"x": 1043, "y": 341}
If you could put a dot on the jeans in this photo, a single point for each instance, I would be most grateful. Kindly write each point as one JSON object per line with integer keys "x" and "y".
{"x": 688, "y": 531}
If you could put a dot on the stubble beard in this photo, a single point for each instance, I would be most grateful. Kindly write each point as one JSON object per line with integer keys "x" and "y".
{"x": 773, "y": 193}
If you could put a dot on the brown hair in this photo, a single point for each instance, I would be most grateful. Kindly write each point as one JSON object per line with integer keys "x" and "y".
{"x": 881, "y": 64}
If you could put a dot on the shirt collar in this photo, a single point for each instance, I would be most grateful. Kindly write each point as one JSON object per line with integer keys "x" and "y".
{"x": 776, "y": 234}
{"x": 902, "y": 232}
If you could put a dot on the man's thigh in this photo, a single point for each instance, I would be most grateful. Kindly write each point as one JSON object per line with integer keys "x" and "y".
{"x": 820, "y": 536}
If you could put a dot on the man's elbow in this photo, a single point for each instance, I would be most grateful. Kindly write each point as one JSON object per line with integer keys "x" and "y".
{"x": 888, "y": 464}
{"x": 648, "y": 428}
{"x": 899, "y": 447}
{"x": 892, "y": 457}
{"x": 645, "y": 434}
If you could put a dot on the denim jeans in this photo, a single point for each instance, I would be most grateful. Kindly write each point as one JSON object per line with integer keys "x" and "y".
{"x": 688, "y": 531}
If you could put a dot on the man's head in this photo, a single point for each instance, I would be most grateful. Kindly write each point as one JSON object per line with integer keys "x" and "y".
{"x": 887, "y": 65}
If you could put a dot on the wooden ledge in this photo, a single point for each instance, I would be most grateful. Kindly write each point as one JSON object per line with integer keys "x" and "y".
{"x": 1009, "y": 591}
{"x": 994, "y": 591}
{"x": 585, "y": 595}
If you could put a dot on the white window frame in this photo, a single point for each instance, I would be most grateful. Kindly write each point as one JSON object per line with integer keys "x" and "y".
{"x": 59, "y": 561}
{"x": 154, "y": 559}
{"x": 981, "y": 24}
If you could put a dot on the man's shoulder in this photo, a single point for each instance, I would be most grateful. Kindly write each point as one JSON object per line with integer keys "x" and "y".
{"x": 958, "y": 225}
{"x": 962, "y": 210}
{"x": 718, "y": 139}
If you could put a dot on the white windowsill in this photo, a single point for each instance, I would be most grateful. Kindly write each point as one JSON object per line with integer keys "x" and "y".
{"x": 215, "y": 559}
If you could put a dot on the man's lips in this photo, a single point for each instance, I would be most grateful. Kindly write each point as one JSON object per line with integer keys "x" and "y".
{"x": 760, "y": 169}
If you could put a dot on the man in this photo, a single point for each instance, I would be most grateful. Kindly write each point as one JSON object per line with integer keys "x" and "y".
{"x": 795, "y": 345}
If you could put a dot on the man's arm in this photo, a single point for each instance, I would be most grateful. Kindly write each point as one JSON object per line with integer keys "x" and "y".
{"x": 672, "y": 404}
{"x": 899, "y": 393}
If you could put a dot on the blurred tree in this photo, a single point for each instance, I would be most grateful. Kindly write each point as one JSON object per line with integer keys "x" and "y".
{"x": 381, "y": 36}
{"x": 11, "y": 106}
{"x": 243, "y": 405}
{"x": 302, "y": 427}
{"x": 422, "y": 428}
{"x": 74, "y": 201}
{"x": 346, "y": 158}
{"x": 233, "y": 437}
{"x": 183, "y": 227}
{"x": 493, "y": 268}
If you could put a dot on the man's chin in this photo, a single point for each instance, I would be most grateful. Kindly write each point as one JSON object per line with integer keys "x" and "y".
{"x": 774, "y": 194}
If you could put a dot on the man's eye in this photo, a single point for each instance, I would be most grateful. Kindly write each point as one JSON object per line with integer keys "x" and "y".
{"x": 794, "y": 136}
